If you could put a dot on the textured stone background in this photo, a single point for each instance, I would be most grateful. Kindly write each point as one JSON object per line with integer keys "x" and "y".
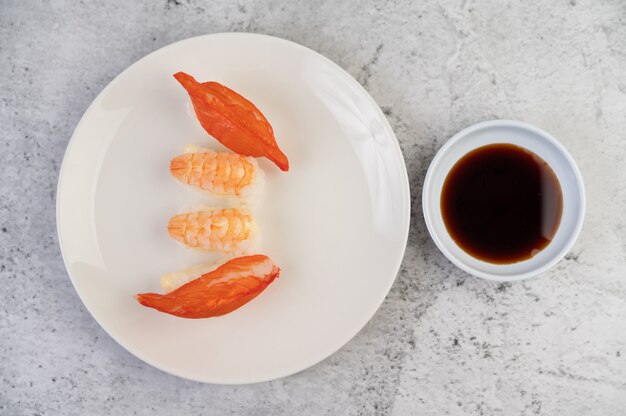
{"x": 443, "y": 343}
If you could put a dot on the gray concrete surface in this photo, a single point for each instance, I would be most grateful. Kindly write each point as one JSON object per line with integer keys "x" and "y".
{"x": 443, "y": 343}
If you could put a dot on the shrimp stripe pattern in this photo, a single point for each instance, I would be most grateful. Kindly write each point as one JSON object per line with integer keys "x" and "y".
{"x": 226, "y": 174}
{"x": 224, "y": 230}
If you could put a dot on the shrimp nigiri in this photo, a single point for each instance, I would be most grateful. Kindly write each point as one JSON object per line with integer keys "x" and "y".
{"x": 217, "y": 292}
{"x": 219, "y": 173}
{"x": 229, "y": 230}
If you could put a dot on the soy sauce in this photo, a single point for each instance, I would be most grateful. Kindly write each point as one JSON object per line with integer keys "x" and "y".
{"x": 501, "y": 203}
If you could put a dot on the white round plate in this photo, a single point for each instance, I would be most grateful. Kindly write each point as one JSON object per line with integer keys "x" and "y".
{"x": 336, "y": 223}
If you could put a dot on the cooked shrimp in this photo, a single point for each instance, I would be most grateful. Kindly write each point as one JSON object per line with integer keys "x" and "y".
{"x": 225, "y": 230}
{"x": 221, "y": 173}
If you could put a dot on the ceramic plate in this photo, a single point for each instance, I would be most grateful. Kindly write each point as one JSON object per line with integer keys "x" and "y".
{"x": 336, "y": 223}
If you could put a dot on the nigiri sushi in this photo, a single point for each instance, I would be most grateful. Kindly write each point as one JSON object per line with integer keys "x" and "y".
{"x": 229, "y": 230}
{"x": 217, "y": 292}
{"x": 219, "y": 173}
{"x": 233, "y": 120}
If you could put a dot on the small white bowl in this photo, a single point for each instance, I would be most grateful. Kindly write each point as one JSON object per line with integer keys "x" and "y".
{"x": 535, "y": 140}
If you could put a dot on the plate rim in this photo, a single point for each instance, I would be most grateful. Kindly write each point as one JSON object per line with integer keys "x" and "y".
{"x": 405, "y": 186}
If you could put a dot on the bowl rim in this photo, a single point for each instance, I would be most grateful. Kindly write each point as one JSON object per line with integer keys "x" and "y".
{"x": 435, "y": 163}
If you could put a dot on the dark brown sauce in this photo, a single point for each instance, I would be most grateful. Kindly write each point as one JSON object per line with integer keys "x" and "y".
{"x": 501, "y": 203}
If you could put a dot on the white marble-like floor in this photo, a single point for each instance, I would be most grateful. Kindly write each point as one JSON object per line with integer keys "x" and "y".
{"x": 443, "y": 343}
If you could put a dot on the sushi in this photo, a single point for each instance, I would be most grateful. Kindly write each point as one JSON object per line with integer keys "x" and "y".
{"x": 233, "y": 120}
{"x": 217, "y": 292}
{"x": 218, "y": 173}
{"x": 229, "y": 230}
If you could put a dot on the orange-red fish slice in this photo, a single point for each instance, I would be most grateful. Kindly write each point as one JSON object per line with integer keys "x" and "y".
{"x": 219, "y": 292}
{"x": 232, "y": 120}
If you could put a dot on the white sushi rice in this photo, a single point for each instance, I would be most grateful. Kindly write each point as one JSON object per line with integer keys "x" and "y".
{"x": 174, "y": 280}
